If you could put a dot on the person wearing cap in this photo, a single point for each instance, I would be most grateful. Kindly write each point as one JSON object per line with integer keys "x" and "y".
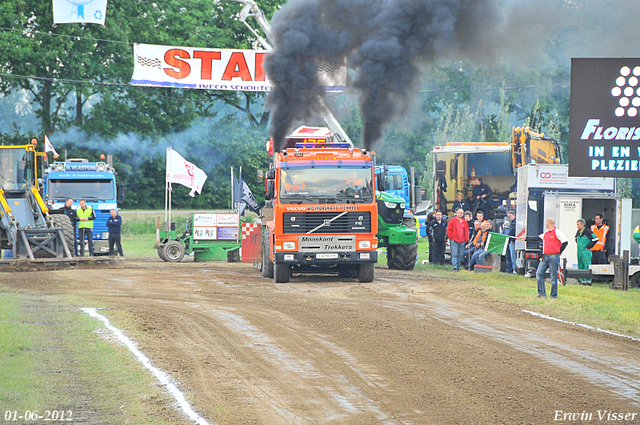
{"x": 553, "y": 243}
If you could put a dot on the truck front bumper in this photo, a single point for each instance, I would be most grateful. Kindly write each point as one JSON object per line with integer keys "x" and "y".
{"x": 326, "y": 259}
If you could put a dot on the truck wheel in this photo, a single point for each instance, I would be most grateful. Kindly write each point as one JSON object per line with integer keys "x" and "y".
{"x": 161, "y": 254}
{"x": 634, "y": 281}
{"x": 62, "y": 221}
{"x": 267, "y": 264}
{"x": 402, "y": 257}
{"x": 366, "y": 272}
{"x": 349, "y": 272}
{"x": 281, "y": 272}
{"x": 174, "y": 251}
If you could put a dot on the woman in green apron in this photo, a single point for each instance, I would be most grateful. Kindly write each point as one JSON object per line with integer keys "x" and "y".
{"x": 585, "y": 240}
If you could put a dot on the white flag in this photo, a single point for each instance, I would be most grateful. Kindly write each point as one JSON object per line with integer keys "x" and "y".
{"x": 48, "y": 147}
{"x": 183, "y": 172}
{"x": 79, "y": 11}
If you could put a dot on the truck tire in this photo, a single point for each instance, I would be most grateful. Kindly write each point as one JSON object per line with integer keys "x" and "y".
{"x": 267, "y": 264}
{"x": 366, "y": 272}
{"x": 161, "y": 254}
{"x": 62, "y": 221}
{"x": 174, "y": 251}
{"x": 402, "y": 257}
{"x": 348, "y": 272}
{"x": 634, "y": 281}
{"x": 281, "y": 272}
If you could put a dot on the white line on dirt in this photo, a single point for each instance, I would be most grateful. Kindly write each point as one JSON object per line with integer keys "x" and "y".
{"x": 159, "y": 374}
{"x": 533, "y": 313}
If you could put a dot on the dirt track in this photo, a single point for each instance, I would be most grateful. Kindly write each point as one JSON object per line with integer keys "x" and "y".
{"x": 409, "y": 348}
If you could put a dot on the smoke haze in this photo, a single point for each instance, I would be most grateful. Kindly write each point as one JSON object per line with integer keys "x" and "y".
{"x": 389, "y": 42}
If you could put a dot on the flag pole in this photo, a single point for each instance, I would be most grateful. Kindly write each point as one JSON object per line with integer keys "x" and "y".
{"x": 241, "y": 189}
{"x": 232, "y": 187}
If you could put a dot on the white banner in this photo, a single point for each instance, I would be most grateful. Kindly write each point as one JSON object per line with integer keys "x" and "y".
{"x": 79, "y": 11}
{"x": 215, "y": 69}
{"x": 183, "y": 172}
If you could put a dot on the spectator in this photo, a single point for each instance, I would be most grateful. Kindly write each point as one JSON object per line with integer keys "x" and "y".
{"x": 599, "y": 250}
{"x": 554, "y": 242}
{"x": 470, "y": 248}
{"x": 85, "y": 226}
{"x": 509, "y": 228}
{"x": 460, "y": 203}
{"x": 438, "y": 231}
{"x": 585, "y": 240}
{"x": 114, "y": 224}
{"x": 481, "y": 197}
{"x": 458, "y": 234}
{"x": 73, "y": 217}
{"x": 479, "y": 244}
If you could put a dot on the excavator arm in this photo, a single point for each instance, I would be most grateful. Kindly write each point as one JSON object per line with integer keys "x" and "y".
{"x": 528, "y": 145}
{"x": 251, "y": 9}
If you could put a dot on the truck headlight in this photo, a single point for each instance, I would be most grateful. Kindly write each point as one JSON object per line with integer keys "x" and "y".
{"x": 402, "y": 205}
{"x": 289, "y": 246}
{"x": 390, "y": 205}
{"x": 364, "y": 244}
{"x": 105, "y": 235}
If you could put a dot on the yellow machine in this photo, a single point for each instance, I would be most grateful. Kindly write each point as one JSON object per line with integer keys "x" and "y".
{"x": 26, "y": 227}
{"x": 528, "y": 145}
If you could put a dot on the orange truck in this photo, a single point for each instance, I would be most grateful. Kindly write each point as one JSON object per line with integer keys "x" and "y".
{"x": 323, "y": 216}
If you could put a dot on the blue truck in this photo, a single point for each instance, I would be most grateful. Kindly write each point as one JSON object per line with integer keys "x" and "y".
{"x": 95, "y": 182}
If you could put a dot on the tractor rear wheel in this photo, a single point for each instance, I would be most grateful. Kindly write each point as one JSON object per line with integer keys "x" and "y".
{"x": 174, "y": 251}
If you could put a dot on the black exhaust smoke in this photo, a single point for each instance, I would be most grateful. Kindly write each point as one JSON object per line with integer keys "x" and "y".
{"x": 386, "y": 42}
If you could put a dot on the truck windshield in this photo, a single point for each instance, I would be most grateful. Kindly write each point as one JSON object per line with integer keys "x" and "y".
{"x": 326, "y": 185}
{"x": 16, "y": 168}
{"x": 89, "y": 189}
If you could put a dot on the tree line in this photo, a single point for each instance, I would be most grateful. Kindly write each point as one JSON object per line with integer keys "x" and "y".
{"x": 75, "y": 80}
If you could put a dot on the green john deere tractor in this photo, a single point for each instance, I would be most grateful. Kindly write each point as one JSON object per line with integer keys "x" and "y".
{"x": 399, "y": 236}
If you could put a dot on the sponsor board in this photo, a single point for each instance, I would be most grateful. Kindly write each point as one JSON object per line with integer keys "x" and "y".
{"x": 604, "y": 132}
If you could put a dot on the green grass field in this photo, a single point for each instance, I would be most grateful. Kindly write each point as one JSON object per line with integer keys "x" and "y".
{"x": 55, "y": 357}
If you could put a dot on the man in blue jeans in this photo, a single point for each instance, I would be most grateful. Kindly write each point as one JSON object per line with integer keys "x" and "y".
{"x": 553, "y": 243}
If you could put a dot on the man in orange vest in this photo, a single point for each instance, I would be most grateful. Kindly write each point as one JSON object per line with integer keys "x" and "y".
{"x": 599, "y": 250}
{"x": 553, "y": 243}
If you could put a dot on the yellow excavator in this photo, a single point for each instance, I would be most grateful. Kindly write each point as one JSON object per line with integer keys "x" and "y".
{"x": 528, "y": 145}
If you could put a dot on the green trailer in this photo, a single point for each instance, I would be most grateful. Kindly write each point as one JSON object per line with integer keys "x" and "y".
{"x": 210, "y": 237}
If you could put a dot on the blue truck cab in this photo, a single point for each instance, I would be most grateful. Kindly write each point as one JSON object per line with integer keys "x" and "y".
{"x": 95, "y": 182}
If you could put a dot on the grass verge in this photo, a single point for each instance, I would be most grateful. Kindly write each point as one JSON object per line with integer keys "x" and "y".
{"x": 55, "y": 357}
{"x": 595, "y": 305}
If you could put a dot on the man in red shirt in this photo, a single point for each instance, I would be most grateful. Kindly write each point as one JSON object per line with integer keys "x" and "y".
{"x": 458, "y": 234}
{"x": 554, "y": 242}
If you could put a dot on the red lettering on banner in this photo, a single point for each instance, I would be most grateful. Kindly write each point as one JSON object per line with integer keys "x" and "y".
{"x": 171, "y": 58}
{"x": 207, "y": 62}
{"x": 237, "y": 67}
{"x": 260, "y": 66}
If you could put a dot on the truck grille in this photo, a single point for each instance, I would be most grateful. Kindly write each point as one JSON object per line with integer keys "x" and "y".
{"x": 351, "y": 222}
